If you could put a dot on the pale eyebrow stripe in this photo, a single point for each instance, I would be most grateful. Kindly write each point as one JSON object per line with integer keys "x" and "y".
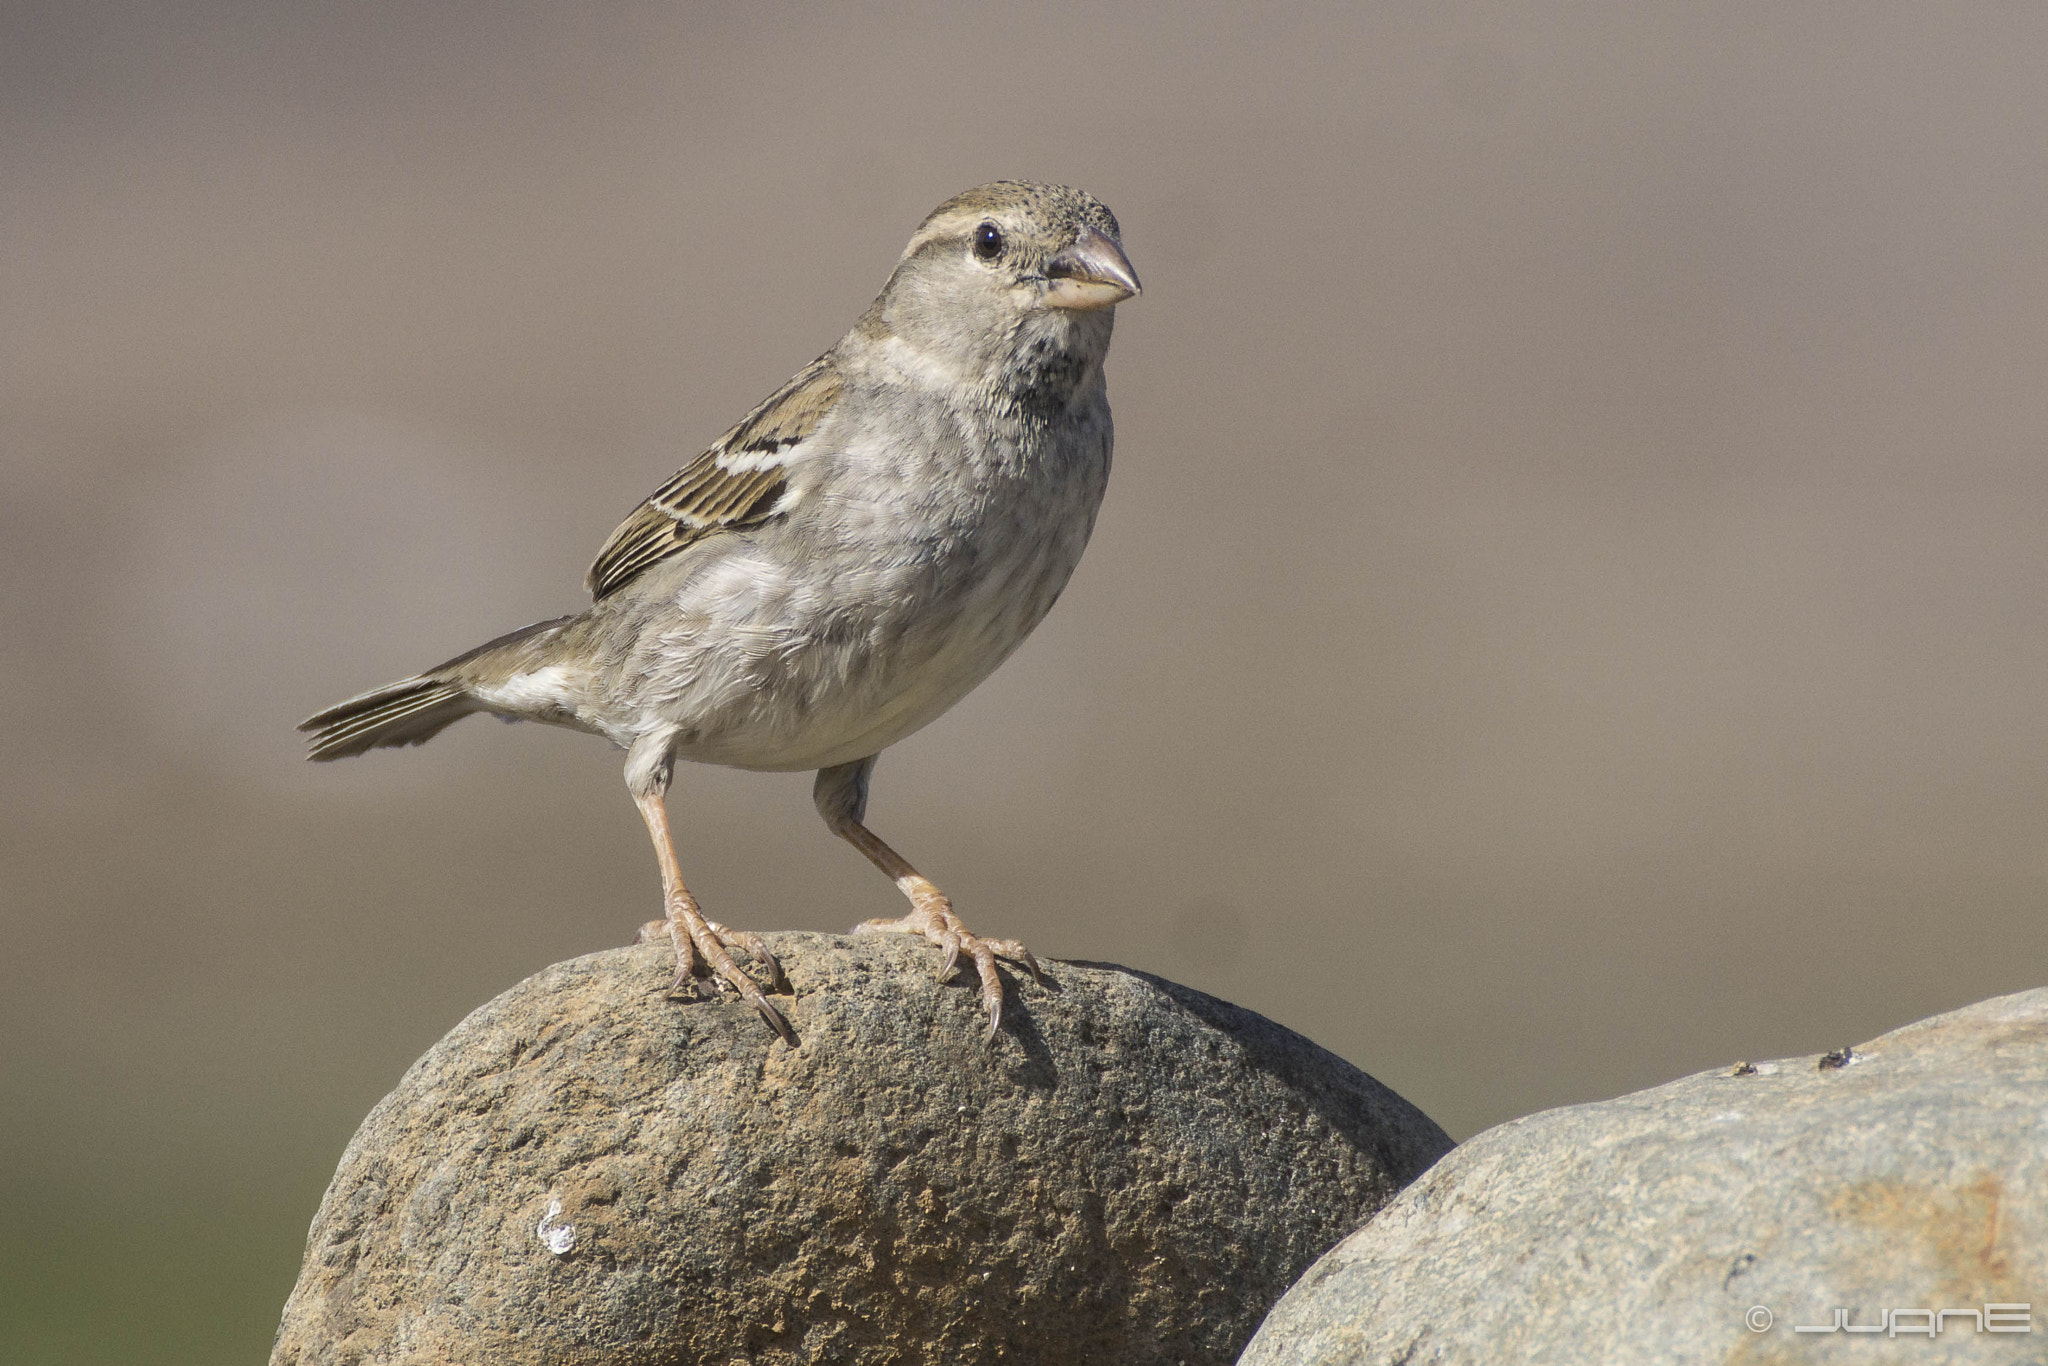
{"x": 952, "y": 225}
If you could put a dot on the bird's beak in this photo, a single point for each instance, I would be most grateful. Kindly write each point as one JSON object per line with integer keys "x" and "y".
{"x": 1093, "y": 273}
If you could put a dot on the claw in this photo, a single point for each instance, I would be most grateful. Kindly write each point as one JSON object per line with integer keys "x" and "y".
{"x": 991, "y": 987}
{"x": 753, "y": 945}
{"x": 732, "y": 979}
{"x": 934, "y": 920}
{"x": 704, "y": 969}
{"x": 775, "y": 1020}
{"x": 692, "y": 934}
{"x": 1016, "y": 952}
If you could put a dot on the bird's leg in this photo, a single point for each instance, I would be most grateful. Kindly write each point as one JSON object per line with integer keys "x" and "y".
{"x": 842, "y": 797}
{"x": 686, "y": 928}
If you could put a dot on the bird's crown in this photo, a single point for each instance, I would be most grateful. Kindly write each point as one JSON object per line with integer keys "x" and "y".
{"x": 1055, "y": 212}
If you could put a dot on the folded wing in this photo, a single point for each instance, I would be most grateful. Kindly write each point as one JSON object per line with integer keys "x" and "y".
{"x": 741, "y": 481}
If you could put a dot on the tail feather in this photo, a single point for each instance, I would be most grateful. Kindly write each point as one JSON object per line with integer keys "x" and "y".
{"x": 408, "y": 712}
{"x": 414, "y": 710}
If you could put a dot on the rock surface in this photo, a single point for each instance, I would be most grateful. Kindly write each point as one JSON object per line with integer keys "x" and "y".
{"x": 586, "y": 1171}
{"x": 1711, "y": 1218}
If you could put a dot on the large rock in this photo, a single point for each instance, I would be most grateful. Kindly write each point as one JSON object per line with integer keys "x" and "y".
{"x": 586, "y": 1171}
{"x": 1710, "y": 1219}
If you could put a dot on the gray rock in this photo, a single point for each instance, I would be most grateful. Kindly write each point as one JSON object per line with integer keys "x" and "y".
{"x": 585, "y": 1171}
{"x": 1711, "y": 1218}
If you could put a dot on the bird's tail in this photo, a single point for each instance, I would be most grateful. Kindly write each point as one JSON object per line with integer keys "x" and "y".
{"x": 414, "y": 710}
{"x": 408, "y": 712}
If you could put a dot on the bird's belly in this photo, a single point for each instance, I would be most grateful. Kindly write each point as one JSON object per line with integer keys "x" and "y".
{"x": 818, "y": 677}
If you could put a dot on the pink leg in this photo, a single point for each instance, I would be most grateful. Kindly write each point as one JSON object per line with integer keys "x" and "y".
{"x": 686, "y": 928}
{"x": 841, "y": 794}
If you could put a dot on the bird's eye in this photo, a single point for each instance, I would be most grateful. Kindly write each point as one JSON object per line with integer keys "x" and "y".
{"x": 988, "y": 242}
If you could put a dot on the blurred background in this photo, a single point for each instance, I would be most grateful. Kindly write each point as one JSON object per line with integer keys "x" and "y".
{"x": 1568, "y": 613}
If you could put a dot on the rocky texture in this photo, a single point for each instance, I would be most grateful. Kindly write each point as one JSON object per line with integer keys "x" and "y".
{"x": 1710, "y": 1218}
{"x": 585, "y": 1171}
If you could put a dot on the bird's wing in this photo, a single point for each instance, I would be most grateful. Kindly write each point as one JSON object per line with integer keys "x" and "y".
{"x": 741, "y": 481}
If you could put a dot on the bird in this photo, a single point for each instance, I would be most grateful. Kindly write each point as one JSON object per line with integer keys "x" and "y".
{"x": 839, "y": 568}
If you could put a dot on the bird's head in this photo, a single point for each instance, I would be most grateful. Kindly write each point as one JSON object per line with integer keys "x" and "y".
{"x": 1009, "y": 284}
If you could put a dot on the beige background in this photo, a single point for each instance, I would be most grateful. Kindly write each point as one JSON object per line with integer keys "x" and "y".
{"x": 1569, "y": 609}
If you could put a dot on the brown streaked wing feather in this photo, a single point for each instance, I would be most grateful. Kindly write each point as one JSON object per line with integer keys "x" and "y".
{"x": 706, "y": 495}
{"x": 789, "y": 415}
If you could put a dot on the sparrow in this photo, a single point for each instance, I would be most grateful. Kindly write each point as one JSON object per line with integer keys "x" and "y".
{"x": 839, "y": 568}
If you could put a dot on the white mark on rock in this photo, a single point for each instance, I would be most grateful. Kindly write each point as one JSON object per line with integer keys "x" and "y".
{"x": 556, "y": 1235}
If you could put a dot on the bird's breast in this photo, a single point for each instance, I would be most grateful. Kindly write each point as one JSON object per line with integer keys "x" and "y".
{"x": 918, "y": 567}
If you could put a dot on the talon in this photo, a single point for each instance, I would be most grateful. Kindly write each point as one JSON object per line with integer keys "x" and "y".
{"x": 992, "y": 997}
{"x": 732, "y": 979}
{"x": 753, "y": 945}
{"x": 940, "y": 927}
{"x": 775, "y": 1020}
{"x": 700, "y": 944}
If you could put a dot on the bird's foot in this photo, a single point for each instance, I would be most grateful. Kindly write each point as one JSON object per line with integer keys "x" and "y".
{"x": 932, "y": 916}
{"x": 703, "y": 965}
